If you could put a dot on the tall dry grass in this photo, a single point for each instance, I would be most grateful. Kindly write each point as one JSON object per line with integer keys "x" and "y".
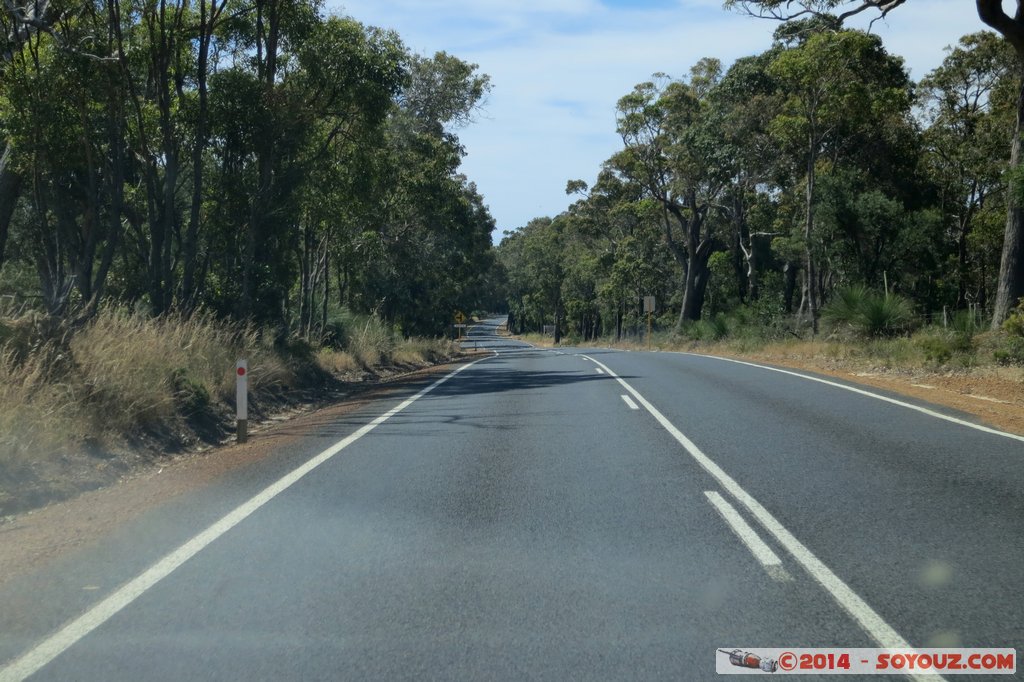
{"x": 38, "y": 414}
{"x": 137, "y": 371}
{"x": 124, "y": 371}
{"x": 120, "y": 373}
{"x": 64, "y": 392}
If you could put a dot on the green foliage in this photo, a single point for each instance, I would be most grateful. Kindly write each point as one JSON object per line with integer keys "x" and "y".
{"x": 941, "y": 348}
{"x": 713, "y": 328}
{"x": 1014, "y": 324}
{"x": 869, "y": 313}
{"x": 257, "y": 165}
{"x": 1011, "y": 352}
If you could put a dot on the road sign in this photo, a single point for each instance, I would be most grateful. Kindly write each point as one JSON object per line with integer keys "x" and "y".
{"x": 459, "y": 317}
{"x": 649, "y": 304}
{"x": 459, "y": 326}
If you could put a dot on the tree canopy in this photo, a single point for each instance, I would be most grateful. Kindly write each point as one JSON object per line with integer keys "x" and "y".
{"x": 261, "y": 160}
{"x": 766, "y": 189}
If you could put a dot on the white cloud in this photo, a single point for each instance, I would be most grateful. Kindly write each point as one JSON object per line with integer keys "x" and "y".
{"x": 559, "y": 67}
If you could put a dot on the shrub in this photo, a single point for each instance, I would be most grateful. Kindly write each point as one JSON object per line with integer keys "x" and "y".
{"x": 965, "y": 322}
{"x": 1014, "y": 324}
{"x": 869, "y": 313}
{"x": 941, "y": 348}
{"x": 713, "y": 328}
{"x": 936, "y": 350}
{"x": 1011, "y": 351}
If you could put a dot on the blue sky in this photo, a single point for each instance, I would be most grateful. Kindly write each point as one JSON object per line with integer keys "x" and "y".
{"x": 558, "y": 67}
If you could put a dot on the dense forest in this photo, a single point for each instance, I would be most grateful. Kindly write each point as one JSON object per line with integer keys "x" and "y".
{"x": 814, "y": 179}
{"x": 256, "y": 160}
{"x": 268, "y": 162}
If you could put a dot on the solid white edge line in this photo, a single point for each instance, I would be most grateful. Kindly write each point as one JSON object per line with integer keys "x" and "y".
{"x": 835, "y": 384}
{"x": 629, "y": 401}
{"x": 859, "y": 610}
{"x": 768, "y": 559}
{"x": 57, "y": 643}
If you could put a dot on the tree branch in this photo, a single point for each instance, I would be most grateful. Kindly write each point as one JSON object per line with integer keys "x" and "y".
{"x": 788, "y": 10}
{"x": 991, "y": 13}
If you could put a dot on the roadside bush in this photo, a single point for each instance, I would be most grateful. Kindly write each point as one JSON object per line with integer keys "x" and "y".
{"x": 941, "y": 347}
{"x": 68, "y": 393}
{"x": 713, "y": 328}
{"x": 1014, "y": 324}
{"x": 869, "y": 313}
{"x": 1011, "y": 351}
{"x": 965, "y": 322}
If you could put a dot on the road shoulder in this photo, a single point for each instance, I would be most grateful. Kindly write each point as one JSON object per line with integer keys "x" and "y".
{"x": 35, "y": 538}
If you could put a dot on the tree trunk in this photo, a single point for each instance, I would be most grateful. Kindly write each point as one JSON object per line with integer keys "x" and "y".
{"x": 189, "y": 290}
{"x": 267, "y": 33}
{"x": 790, "y": 270}
{"x": 698, "y": 252}
{"x": 696, "y": 282}
{"x": 558, "y": 323}
{"x": 10, "y": 189}
{"x": 809, "y": 265}
{"x": 327, "y": 289}
{"x": 961, "y": 260}
{"x": 1010, "y": 283}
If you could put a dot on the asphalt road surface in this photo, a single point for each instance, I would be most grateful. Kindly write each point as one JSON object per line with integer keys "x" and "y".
{"x": 560, "y": 514}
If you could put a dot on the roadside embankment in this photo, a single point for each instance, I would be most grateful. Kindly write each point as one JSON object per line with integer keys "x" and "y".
{"x": 82, "y": 407}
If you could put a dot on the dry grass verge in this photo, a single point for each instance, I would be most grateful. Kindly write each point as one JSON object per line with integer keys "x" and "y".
{"x": 80, "y": 408}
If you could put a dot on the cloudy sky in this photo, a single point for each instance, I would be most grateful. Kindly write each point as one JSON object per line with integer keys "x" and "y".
{"x": 558, "y": 67}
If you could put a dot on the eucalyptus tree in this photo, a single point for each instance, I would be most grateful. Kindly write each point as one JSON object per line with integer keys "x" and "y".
{"x": 836, "y": 85}
{"x": 241, "y": 158}
{"x": 741, "y": 110}
{"x": 670, "y": 152}
{"x": 612, "y": 255}
{"x": 968, "y": 108}
{"x": 59, "y": 114}
{"x": 1010, "y": 282}
{"x": 432, "y": 227}
{"x": 532, "y": 256}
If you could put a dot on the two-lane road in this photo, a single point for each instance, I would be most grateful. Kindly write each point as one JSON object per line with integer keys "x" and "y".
{"x": 557, "y": 514}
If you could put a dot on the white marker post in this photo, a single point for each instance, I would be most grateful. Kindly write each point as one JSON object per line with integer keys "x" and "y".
{"x": 242, "y": 400}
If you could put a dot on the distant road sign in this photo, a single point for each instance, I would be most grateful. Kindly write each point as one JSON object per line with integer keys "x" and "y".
{"x": 649, "y": 304}
{"x": 459, "y": 317}
{"x": 459, "y": 326}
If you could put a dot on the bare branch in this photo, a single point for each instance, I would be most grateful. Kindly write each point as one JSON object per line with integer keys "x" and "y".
{"x": 788, "y": 10}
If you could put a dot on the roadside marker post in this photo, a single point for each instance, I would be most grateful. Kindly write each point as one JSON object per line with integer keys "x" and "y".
{"x": 242, "y": 400}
